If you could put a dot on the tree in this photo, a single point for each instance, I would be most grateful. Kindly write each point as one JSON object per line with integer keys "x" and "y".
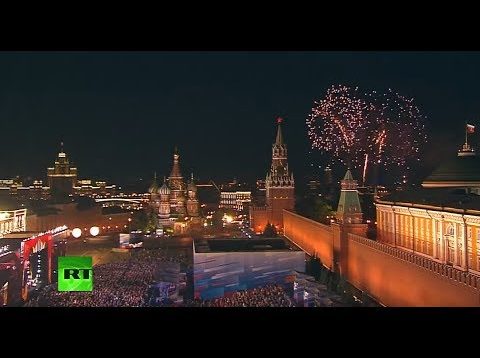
{"x": 315, "y": 267}
{"x": 152, "y": 221}
{"x": 315, "y": 208}
{"x": 321, "y": 211}
{"x": 145, "y": 220}
{"x": 269, "y": 231}
{"x": 140, "y": 220}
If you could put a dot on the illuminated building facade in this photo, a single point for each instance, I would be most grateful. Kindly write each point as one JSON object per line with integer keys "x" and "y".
{"x": 238, "y": 201}
{"x": 15, "y": 187}
{"x": 13, "y": 221}
{"x": 61, "y": 181}
{"x": 62, "y": 177}
{"x": 175, "y": 199}
{"x": 441, "y": 221}
{"x": 91, "y": 188}
{"x": 279, "y": 189}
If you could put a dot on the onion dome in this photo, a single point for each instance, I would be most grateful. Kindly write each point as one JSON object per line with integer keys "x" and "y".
{"x": 164, "y": 189}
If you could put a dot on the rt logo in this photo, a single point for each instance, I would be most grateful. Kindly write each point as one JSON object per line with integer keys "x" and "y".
{"x": 75, "y": 273}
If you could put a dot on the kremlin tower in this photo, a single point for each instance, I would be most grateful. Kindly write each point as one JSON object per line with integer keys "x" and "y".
{"x": 349, "y": 210}
{"x": 280, "y": 188}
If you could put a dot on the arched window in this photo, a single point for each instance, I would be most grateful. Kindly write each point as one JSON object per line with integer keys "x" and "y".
{"x": 450, "y": 230}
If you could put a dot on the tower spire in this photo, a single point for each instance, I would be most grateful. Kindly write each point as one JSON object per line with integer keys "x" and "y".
{"x": 349, "y": 210}
{"x": 176, "y": 166}
{"x": 61, "y": 146}
{"x": 279, "y": 139}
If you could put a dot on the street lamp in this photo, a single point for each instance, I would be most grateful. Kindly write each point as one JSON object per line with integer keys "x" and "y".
{"x": 76, "y": 233}
{"x": 94, "y": 230}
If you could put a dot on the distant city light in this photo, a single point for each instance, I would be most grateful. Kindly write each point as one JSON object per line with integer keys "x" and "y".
{"x": 227, "y": 218}
{"x": 76, "y": 233}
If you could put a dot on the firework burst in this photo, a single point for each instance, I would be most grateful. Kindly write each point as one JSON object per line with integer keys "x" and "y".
{"x": 356, "y": 127}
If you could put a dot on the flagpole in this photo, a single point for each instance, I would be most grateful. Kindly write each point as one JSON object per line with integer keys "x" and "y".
{"x": 466, "y": 135}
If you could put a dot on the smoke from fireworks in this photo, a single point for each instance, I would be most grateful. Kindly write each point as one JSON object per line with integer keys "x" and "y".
{"x": 356, "y": 127}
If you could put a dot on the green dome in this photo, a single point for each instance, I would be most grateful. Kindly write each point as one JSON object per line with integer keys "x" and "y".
{"x": 459, "y": 171}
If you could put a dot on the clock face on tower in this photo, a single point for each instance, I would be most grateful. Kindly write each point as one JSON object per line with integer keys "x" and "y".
{"x": 280, "y": 171}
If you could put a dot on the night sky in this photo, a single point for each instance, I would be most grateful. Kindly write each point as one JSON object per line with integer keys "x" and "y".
{"x": 121, "y": 114}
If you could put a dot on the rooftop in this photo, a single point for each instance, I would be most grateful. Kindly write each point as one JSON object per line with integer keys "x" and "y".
{"x": 20, "y": 235}
{"x": 242, "y": 245}
{"x": 461, "y": 170}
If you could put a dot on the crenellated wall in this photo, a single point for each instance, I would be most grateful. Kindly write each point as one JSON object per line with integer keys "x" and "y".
{"x": 395, "y": 277}
{"x": 392, "y": 276}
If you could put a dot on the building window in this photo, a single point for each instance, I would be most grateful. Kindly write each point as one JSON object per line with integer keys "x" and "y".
{"x": 450, "y": 230}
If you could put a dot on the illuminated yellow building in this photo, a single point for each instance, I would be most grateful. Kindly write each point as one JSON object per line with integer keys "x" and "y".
{"x": 13, "y": 221}
{"x": 442, "y": 220}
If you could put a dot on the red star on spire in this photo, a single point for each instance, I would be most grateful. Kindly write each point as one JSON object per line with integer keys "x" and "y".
{"x": 279, "y": 120}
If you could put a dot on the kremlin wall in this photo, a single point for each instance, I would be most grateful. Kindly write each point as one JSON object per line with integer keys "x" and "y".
{"x": 428, "y": 248}
{"x": 391, "y": 276}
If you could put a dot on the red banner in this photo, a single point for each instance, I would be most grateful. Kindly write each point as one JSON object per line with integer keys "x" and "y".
{"x": 34, "y": 245}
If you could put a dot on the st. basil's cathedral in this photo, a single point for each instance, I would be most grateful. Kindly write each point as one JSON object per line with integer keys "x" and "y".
{"x": 175, "y": 202}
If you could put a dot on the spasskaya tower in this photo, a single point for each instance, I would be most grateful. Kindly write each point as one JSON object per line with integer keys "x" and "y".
{"x": 280, "y": 188}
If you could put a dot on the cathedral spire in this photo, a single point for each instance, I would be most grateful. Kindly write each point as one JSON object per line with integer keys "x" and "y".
{"x": 154, "y": 187}
{"x": 175, "y": 173}
{"x": 279, "y": 139}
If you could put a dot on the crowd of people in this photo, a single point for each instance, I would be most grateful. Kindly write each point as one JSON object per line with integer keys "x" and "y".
{"x": 121, "y": 284}
{"x": 268, "y": 296}
{"x": 130, "y": 283}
